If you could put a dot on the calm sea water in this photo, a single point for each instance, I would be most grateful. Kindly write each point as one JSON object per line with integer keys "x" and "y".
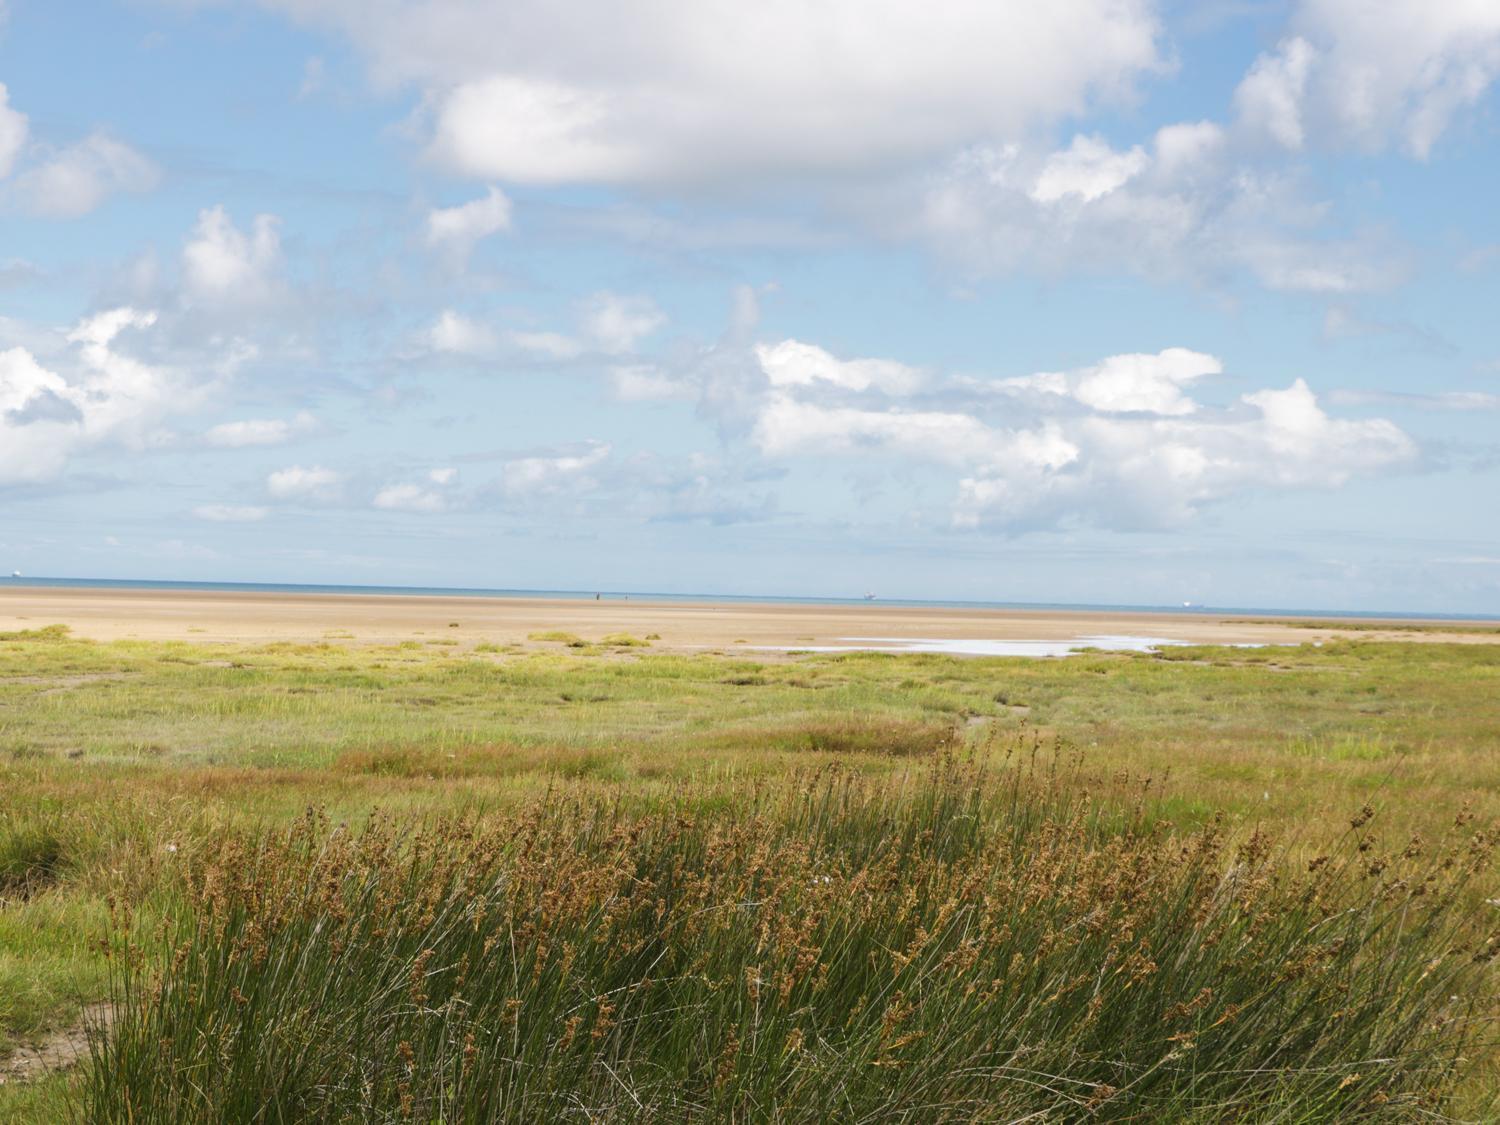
{"x": 726, "y": 599}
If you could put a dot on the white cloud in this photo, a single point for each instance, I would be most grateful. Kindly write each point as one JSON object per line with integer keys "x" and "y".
{"x": 532, "y": 130}
{"x": 1188, "y": 149}
{"x": 616, "y": 324}
{"x": 1269, "y": 97}
{"x": 40, "y": 422}
{"x": 1188, "y": 210}
{"x": 94, "y": 395}
{"x": 611, "y": 324}
{"x": 456, "y": 230}
{"x": 1142, "y": 383}
{"x": 538, "y": 476}
{"x": 788, "y": 426}
{"x": 1157, "y": 471}
{"x": 459, "y": 335}
{"x": 692, "y": 90}
{"x": 1371, "y": 74}
{"x": 1088, "y": 168}
{"x": 792, "y": 363}
{"x": 1119, "y": 443}
{"x": 76, "y": 179}
{"x": 13, "y": 128}
{"x": 230, "y": 513}
{"x": 311, "y": 483}
{"x": 429, "y": 496}
{"x": 259, "y": 431}
{"x": 220, "y": 262}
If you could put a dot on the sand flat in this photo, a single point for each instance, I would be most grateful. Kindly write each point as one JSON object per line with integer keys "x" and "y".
{"x": 257, "y": 617}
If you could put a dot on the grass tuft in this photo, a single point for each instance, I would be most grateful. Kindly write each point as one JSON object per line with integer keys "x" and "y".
{"x": 45, "y": 633}
{"x": 31, "y": 858}
{"x": 953, "y": 945}
{"x": 572, "y": 640}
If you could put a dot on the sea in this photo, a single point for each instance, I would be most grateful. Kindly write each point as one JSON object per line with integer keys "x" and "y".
{"x": 724, "y": 599}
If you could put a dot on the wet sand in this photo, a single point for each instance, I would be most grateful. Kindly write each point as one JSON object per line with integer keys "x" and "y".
{"x": 225, "y": 616}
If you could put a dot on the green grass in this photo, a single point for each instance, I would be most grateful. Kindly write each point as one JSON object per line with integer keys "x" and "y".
{"x": 120, "y": 762}
{"x": 572, "y": 640}
{"x": 623, "y": 640}
{"x": 1384, "y": 626}
{"x": 965, "y": 944}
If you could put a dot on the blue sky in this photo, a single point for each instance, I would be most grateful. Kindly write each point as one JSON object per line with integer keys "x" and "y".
{"x": 1102, "y": 301}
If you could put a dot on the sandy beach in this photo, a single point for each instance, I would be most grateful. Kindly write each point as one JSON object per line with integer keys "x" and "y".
{"x": 251, "y": 617}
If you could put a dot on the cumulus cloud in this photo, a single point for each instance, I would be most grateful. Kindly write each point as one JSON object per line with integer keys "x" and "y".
{"x": 93, "y": 395}
{"x": 1126, "y": 442}
{"x": 429, "y": 495}
{"x": 1145, "y": 455}
{"x": 1188, "y": 207}
{"x": 1087, "y": 169}
{"x": 259, "y": 431}
{"x": 542, "y": 475}
{"x": 458, "y": 335}
{"x": 792, "y": 363}
{"x": 616, "y": 324}
{"x": 1151, "y": 384}
{"x": 221, "y": 263}
{"x": 456, "y": 230}
{"x": 611, "y": 324}
{"x": 1398, "y": 71}
{"x": 75, "y": 180}
{"x": 717, "y": 89}
{"x": 1124, "y": 448}
{"x": 311, "y": 483}
{"x": 787, "y": 425}
{"x": 885, "y": 96}
{"x": 13, "y": 129}
{"x": 1269, "y": 98}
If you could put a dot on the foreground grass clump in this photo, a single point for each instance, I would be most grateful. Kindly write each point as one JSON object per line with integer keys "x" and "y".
{"x": 31, "y": 856}
{"x": 572, "y": 640}
{"x": 964, "y": 945}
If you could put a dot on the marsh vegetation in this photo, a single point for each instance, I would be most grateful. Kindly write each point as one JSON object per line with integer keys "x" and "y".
{"x": 615, "y": 883}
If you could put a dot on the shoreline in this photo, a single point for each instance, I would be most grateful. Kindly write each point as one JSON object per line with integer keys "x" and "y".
{"x": 257, "y": 616}
{"x": 38, "y": 584}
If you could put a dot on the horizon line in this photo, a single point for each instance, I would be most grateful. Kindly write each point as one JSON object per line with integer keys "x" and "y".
{"x": 15, "y": 579}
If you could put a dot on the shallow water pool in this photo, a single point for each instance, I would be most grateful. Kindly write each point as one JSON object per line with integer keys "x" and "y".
{"x": 968, "y": 647}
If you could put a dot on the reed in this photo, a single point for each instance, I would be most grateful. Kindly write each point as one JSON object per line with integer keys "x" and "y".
{"x": 956, "y": 942}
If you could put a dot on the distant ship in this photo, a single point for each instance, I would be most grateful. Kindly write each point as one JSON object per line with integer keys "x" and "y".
{"x": 869, "y": 597}
{"x": 15, "y": 574}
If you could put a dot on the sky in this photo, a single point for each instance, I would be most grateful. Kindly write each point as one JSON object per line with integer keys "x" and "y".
{"x": 1097, "y": 301}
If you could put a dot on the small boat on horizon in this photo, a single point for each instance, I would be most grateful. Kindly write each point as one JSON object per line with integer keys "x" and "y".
{"x": 869, "y": 597}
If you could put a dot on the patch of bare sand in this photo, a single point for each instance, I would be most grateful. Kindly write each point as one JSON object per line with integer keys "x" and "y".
{"x": 225, "y": 616}
{"x": 57, "y": 1051}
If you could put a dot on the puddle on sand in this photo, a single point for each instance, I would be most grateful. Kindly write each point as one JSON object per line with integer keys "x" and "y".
{"x": 956, "y": 647}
